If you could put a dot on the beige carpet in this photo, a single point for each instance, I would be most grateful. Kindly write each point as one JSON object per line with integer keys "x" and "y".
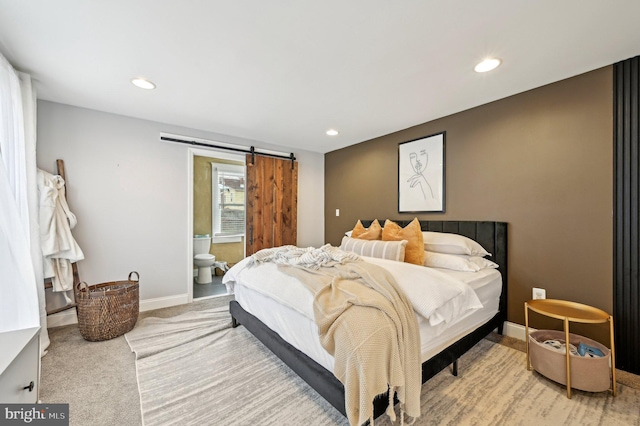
{"x": 98, "y": 379}
{"x": 226, "y": 376}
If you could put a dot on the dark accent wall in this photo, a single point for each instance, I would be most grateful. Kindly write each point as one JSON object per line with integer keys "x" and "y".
{"x": 627, "y": 224}
{"x": 541, "y": 160}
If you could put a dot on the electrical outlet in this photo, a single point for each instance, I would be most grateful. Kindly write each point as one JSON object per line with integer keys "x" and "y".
{"x": 337, "y": 212}
{"x": 539, "y": 293}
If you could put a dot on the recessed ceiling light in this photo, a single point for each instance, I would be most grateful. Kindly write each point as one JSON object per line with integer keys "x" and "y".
{"x": 332, "y": 132}
{"x": 143, "y": 83}
{"x": 487, "y": 65}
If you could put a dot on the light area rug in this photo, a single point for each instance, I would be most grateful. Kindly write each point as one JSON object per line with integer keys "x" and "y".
{"x": 194, "y": 369}
{"x": 212, "y": 374}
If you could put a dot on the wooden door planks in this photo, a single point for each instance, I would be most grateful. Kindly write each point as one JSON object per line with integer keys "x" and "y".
{"x": 272, "y": 186}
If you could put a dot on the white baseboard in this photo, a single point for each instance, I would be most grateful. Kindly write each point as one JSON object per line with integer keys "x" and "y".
{"x": 69, "y": 317}
{"x": 514, "y": 330}
{"x": 62, "y": 318}
{"x": 163, "y": 302}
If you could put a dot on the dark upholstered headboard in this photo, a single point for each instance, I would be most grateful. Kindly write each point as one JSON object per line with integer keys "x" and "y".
{"x": 491, "y": 235}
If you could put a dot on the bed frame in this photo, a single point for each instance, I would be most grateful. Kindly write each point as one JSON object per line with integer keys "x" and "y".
{"x": 491, "y": 235}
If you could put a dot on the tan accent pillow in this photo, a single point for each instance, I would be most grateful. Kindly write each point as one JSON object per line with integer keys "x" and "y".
{"x": 373, "y": 232}
{"x": 414, "y": 253}
{"x": 392, "y": 250}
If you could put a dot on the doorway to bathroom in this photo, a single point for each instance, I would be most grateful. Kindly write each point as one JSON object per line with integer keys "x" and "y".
{"x": 218, "y": 219}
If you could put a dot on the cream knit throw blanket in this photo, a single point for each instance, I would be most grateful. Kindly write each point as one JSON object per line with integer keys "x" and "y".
{"x": 365, "y": 321}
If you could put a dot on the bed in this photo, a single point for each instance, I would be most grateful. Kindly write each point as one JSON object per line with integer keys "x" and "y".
{"x": 316, "y": 370}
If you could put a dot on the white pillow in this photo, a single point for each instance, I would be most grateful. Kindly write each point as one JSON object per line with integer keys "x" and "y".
{"x": 483, "y": 263}
{"x": 449, "y": 261}
{"x": 442, "y": 242}
{"x": 457, "y": 262}
{"x": 392, "y": 250}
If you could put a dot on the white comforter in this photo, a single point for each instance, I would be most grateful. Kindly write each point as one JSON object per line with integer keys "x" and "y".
{"x": 435, "y": 296}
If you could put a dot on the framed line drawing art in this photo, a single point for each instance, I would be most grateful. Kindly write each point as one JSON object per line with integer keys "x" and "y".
{"x": 421, "y": 174}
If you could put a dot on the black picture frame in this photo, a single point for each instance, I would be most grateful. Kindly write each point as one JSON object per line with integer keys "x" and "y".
{"x": 421, "y": 174}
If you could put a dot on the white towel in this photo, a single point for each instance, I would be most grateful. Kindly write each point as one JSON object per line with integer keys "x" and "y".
{"x": 59, "y": 248}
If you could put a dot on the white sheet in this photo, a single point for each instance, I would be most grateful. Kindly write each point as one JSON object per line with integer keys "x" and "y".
{"x": 300, "y": 331}
{"x": 487, "y": 285}
{"x": 435, "y": 295}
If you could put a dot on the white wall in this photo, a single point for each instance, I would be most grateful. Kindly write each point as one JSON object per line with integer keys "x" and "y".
{"x": 129, "y": 192}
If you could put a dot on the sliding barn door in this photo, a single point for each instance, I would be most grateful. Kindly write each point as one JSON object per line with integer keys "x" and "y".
{"x": 271, "y": 204}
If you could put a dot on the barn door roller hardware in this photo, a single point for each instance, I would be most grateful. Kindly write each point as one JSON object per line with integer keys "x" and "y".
{"x": 228, "y": 147}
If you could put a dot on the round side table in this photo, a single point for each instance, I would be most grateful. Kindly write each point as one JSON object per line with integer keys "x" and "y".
{"x": 570, "y": 312}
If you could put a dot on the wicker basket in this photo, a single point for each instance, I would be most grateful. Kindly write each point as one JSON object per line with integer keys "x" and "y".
{"x": 107, "y": 310}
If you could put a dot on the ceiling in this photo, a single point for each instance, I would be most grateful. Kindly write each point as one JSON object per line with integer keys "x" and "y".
{"x": 283, "y": 72}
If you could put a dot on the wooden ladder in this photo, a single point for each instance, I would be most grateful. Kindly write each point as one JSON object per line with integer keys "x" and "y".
{"x": 74, "y": 266}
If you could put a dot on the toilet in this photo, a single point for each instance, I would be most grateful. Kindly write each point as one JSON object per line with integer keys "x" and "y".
{"x": 202, "y": 259}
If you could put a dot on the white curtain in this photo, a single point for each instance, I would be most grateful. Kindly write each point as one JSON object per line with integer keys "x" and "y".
{"x": 22, "y": 303}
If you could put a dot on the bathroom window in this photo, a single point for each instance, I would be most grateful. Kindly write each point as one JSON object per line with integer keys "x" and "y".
{"x": 228, "y": 195}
